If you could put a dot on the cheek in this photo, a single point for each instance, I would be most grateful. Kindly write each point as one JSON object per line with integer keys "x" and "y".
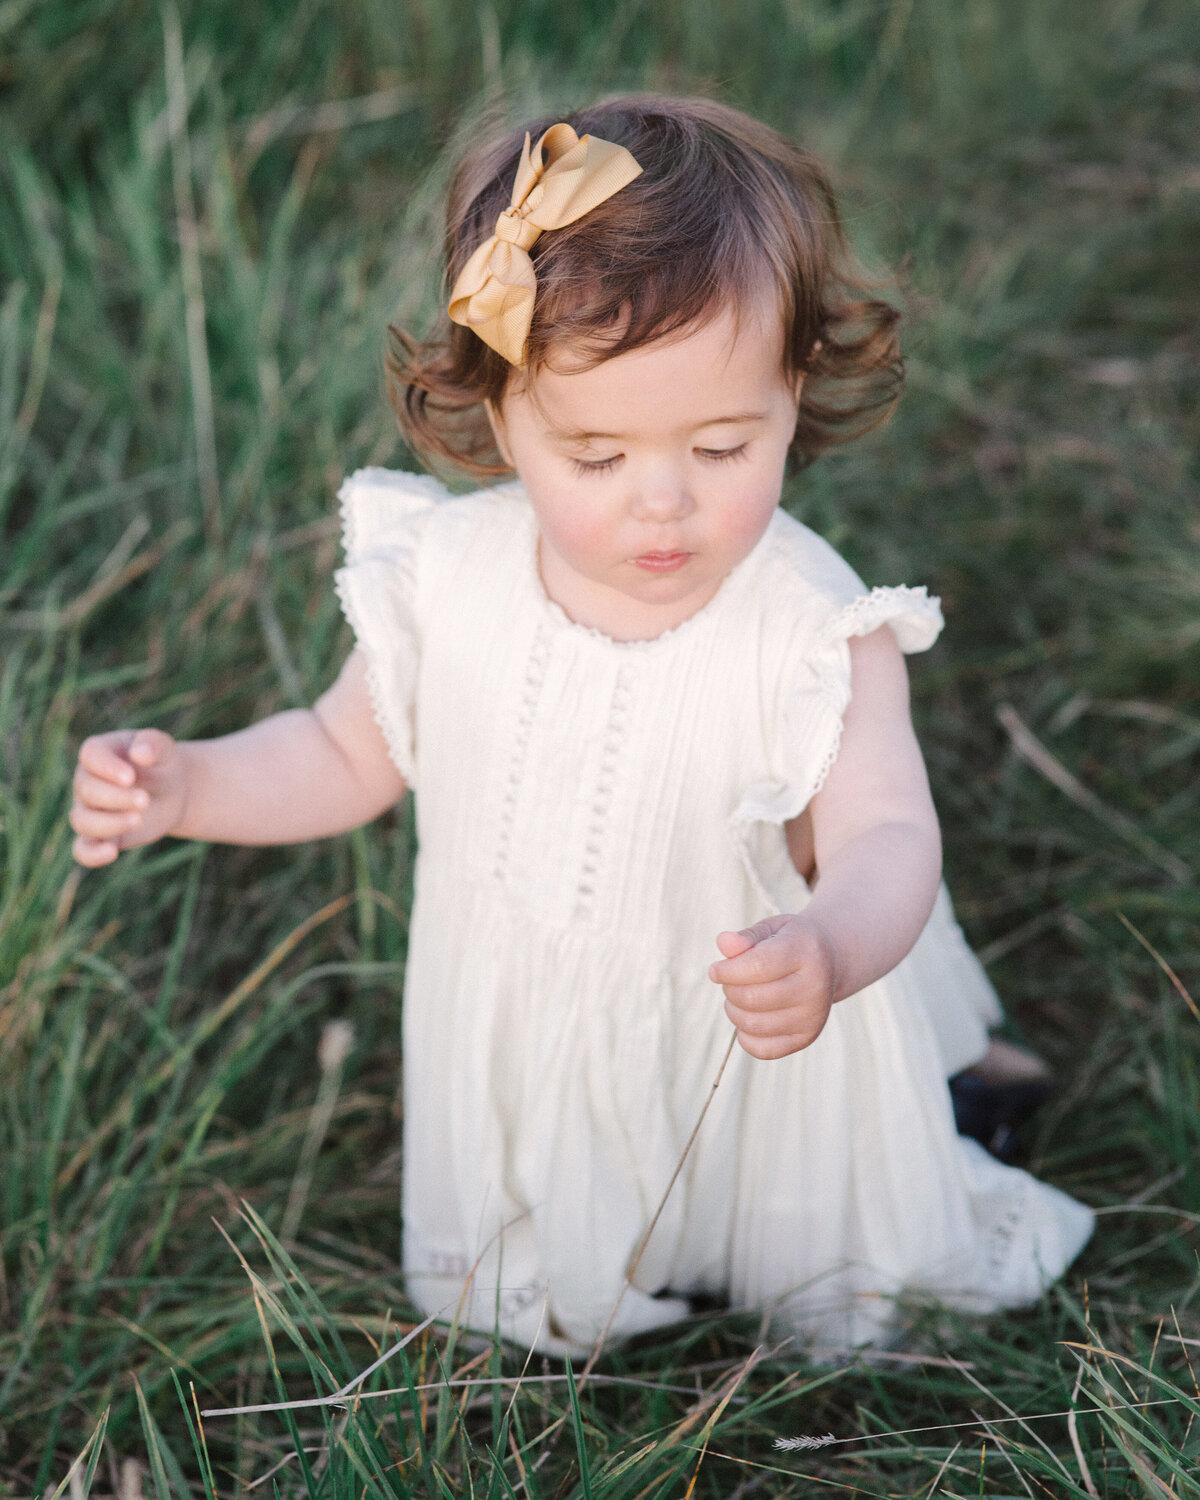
{"x": 578, "y": 529}
{"x": 575, "y": 525}
{"x": 751, "y": 520}
{"x": 746, "y": 521}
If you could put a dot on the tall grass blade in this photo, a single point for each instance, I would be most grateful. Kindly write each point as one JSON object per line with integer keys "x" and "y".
{"x": 165, "y": 1471}
{"x": 581, "y": 1447}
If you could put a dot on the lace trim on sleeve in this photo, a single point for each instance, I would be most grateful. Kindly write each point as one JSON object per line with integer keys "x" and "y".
{"x": 914, "y": 615}
{"x": 916, "y": 621}
{"x": 383, "y": 513}
{"x": 393, "y": 724}
{"x": 812, "y": 731}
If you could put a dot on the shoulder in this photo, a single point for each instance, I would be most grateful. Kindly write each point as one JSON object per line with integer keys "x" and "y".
{"x": 395, "y": 510}
{"x": 804, "y": 565}
{"x": 826, "y": 602}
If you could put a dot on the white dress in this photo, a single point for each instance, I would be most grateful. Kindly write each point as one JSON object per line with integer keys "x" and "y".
{"x": 590, "y": 814}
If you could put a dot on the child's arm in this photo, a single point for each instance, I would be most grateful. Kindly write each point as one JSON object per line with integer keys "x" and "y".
{"x": 877, "y": 855}
{"x": 297, "y": 775}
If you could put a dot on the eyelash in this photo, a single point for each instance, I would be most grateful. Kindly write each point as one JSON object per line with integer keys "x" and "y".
{"x": 710, "y": 455}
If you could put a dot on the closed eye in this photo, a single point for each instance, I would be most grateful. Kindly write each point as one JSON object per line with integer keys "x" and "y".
{"x": 605, "y": 465}
{"x": 721, "y": 455}
{"x": 595, "y": 465}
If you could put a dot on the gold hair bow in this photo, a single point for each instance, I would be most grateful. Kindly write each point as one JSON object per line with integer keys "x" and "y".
{"x": 560, "y": 180}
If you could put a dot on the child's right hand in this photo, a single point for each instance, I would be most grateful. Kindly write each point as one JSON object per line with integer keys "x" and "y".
{"x": 130, "y": 789}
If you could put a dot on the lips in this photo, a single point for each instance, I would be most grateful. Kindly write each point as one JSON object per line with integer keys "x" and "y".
{"x": 662, "y": 562}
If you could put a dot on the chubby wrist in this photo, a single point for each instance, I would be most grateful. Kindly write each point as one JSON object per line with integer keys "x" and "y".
{"x": 185, "y": 773}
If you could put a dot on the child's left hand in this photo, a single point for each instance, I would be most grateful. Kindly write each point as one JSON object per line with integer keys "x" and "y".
{"x": 780, "y": 980}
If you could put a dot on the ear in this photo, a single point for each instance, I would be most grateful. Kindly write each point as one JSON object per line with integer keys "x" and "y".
{"x": 496, "y": 422}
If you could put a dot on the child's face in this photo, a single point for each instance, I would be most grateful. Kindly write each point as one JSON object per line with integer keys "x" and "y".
{"x": 653, "y": 473}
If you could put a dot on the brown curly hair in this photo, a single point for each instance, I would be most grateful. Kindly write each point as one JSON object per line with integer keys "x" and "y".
{"x": 725, "y": 209}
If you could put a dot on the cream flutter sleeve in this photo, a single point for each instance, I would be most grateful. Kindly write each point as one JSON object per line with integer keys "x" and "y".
{"x": 808, "y": 663}
{"x": 816, "y": 605}
{"x": 385, "y": 515}
{"x": 812, "y": 712}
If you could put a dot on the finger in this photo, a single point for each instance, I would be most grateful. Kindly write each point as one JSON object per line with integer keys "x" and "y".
{"x": 91, "y": 853}
{"x": 736, "y": 944}
{"x": 104, "y": 755}
{"x": 149, "y": 747}
{"x": 793, "y": 1020}
{"x": 767, "y": 960}
{"x": 767, "y": 1049}
{"x": 732, "y": 944}
{"x": 763, "y": 999}
{"x": 92, "y": 823}
{"x": 94, "y": 791}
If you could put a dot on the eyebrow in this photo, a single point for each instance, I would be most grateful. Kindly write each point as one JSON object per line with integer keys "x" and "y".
{"x": 578, "y": 435}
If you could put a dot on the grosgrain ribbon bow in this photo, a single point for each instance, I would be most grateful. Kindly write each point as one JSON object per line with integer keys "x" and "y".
{"x": 562, "y": 178}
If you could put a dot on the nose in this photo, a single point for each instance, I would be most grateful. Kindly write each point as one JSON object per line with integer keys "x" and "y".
{"x": 661, "y": 493}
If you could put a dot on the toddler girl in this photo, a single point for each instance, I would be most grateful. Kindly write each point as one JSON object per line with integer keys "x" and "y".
{"x": 666, "y": 778}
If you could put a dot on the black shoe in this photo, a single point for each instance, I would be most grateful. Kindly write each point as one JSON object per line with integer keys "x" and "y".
{"x": 992, "y": 1113}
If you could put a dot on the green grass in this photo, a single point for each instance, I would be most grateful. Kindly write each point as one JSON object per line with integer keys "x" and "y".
{"x": 166, "y": 511}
